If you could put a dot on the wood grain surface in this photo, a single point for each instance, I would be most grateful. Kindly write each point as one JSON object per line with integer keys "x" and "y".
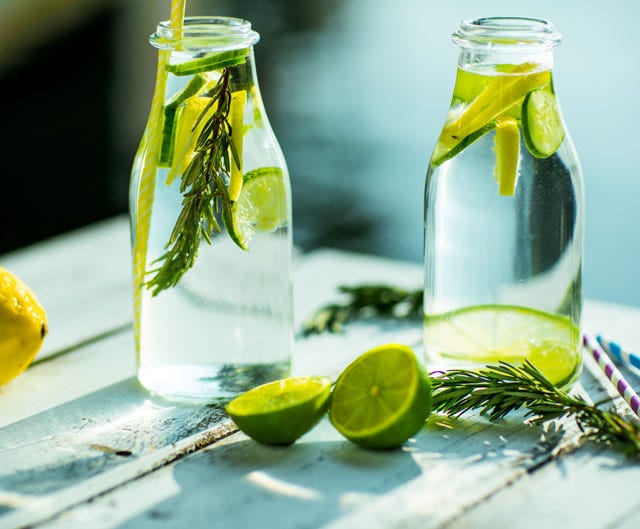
{"x": 83, "y": 445}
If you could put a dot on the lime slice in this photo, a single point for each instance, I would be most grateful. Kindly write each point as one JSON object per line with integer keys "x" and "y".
{"x": 493, "y": 333}
{"x": 541, "y": 123}
{"x": 507, "y": 140}
{"x": 279, "y": 412}
{"x": 214, "y": 61}
{"x": 382, "y": 398}
{"x": 261, "y": 206}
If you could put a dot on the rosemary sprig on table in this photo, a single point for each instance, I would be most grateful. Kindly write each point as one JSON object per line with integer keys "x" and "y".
{"x": 204, "y": 189}
{"x": 497, "y": 390}
{"x": 365, "y": 301}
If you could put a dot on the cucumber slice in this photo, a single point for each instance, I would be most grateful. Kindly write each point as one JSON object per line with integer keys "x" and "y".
{"x": 441, "y": 154}
{"x": 541, "y": 124}
{"x": 209, "y": 62}
{"x": 169, "y": 127}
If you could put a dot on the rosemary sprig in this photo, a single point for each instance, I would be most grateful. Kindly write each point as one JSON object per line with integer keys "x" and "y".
{"x": 365, "y": 301}
{"x": 497, "y": 390}
{"x": 204, "y": 189}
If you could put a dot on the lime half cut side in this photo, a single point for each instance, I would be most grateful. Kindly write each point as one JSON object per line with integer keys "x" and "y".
{"x": 279, "y": 412}
{"x": 488, "y": 334}
{"x": 382, "y": 398}
{"x": 261, "y": 206}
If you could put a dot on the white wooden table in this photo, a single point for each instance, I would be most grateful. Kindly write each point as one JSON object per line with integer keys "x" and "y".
{"x": 83, "y": 445}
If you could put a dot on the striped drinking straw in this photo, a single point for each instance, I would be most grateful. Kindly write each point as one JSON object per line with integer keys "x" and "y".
{"x": 622, "y": 354}
{"x": 612, "y": 373}
{"x": 151, "y": 148}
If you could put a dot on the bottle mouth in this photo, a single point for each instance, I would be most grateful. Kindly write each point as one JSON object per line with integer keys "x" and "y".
{"x": 507, "y": 33}
{"x": 205, "y": 34}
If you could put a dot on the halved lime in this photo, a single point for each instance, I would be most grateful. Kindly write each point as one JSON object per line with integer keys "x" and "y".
{"x": 261, "y": 206}
{"x": 279, "y": 412}
{"x": 507, "y": 141}
{"x": 382, "y": 398}
{"x": 487, "y": 334}
{"x": 541, "y": 124}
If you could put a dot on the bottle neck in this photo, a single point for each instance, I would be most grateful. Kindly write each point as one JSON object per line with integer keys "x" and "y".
{"x": 499, "y": 42}
{"x": 205, "y": 35}
{"x": 483, "y": 60}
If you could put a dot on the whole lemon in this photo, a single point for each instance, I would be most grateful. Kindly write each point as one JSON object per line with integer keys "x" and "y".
{"x": 23, "y": 326}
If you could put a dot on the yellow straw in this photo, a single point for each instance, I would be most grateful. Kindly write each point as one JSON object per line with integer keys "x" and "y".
{"x": 177, "y": 13}
{"x": 151, "y": 146}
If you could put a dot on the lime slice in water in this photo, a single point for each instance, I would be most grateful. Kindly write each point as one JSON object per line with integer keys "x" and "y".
{"x": 261, "y": 206}
{"x": 492, "y": 333}
{"x": 541, "y": 124}
{"x": 279, "y": 412}
{"x": 382, "y": 398}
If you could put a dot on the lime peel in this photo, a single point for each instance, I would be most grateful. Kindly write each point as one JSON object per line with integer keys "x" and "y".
{"x": 280, "y": 412}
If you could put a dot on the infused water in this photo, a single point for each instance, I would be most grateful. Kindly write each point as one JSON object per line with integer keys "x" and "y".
{"x": 504, "y": 215}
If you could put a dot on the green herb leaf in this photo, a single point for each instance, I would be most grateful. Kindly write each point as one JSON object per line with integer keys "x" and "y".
{"x": 204, "y": 190}
{"x": 366, "y": 301}
{"x": 498, "y": 390}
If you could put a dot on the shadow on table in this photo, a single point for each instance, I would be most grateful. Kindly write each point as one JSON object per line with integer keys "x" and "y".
{"x": 239, "y": 483}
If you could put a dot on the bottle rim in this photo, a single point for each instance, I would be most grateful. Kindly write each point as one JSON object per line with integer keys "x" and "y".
{"x": 205, "y": 33}
{"x": 507, "y": 33}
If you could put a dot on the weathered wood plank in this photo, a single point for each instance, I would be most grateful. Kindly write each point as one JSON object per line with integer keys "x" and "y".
{"x": 81, "y": 372}
{"x": 324, "y": 481}
{"x": 53, "y": 458}
{"x": 41, "y": 411}
{"x": 320, "y": 481}
{"x": 108, "y": 431}
{"x": 82, "y": 279}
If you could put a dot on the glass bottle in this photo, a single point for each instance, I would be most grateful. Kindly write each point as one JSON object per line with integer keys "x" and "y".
{"x": 504, "y": 210}
{"x": 211, "y": 221}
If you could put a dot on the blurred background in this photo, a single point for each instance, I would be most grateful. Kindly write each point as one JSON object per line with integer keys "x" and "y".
{"x": 356, "y": 91}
